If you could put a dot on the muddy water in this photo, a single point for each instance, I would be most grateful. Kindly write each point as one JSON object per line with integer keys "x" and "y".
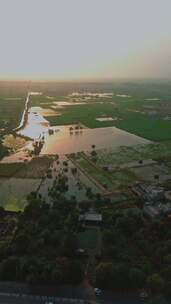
{"x": 36, "y": 126}
{"x": 77, "y": 183}
{"x": 63, "y": 141}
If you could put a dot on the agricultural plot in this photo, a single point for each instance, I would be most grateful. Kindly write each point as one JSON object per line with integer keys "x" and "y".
{"x": 153, "y": 173}
{"x": 122, "y": 155}
{"x": 36, "y": 168}
{"x": 10, "y": 113}
{"x": 89, "y": 239}
{"x": 129, "y": 116}
{"x": 115, "y": 180}
{"x": 13, "y": 192}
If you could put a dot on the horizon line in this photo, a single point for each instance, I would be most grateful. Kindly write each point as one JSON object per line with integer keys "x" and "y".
{"x": 82, "y": 80}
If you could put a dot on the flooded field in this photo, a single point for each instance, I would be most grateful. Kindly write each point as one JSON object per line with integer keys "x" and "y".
{"x": 64, "y": 141}
{"x": 36, "y": 125}
{"x": 77, "y": 183}
{"x": 16, "y": 189}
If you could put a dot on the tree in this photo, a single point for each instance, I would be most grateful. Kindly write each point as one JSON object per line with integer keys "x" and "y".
{"x": 85, "y": 205}
{"x": 89, "y": 192}
{"x": 137, "y": 278}
{"x": 155, "y": 283}
{"x": 104, "y": 275}
{"x": 9, "y": 269}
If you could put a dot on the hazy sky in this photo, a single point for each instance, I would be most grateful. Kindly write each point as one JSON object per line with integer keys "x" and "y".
{"x": 79, "y": 39}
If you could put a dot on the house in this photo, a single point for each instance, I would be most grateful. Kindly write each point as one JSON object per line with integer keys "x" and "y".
{"x": 151, "y": 211}
{"x": 91, "y": 218}
{"x": 148, "y": 192}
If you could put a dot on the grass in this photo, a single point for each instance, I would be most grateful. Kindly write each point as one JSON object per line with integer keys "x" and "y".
{"x": 10, "y": 113}
{"x": 98, "y": 174}
{"x": 36, "y": 168}
{"x": 89, "y": 238}
{"x": 133, "y": 122}
{"x": 10, "y": 169}
{"x": 14, "y": 142}
{"x": 14, "y": 204}
{"x": 137, "y": 123}
{"x": 117, "y": 180}
{"x": 128, "y": 154}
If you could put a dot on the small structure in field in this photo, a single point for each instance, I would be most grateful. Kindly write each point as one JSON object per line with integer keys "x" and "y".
{"x": 91, "y": 218}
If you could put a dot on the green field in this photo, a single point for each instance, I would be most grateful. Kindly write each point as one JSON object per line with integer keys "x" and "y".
{"x": 133, "y": 113}
{"x": 116, "y": 180}
{"x": 138, "y": 123}
{"x": 89, "y": 238}
{"x": 11, "y": 112}
{"x": 36, "y": 168}
{"x": 124, "y": 155}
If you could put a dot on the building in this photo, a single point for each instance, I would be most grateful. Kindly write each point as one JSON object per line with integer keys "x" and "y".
{"x": 148, "y": 192}
{"x": 91, "y": 218}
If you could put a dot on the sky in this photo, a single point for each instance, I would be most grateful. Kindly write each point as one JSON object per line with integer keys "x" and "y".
{"x": 85, "y": 39}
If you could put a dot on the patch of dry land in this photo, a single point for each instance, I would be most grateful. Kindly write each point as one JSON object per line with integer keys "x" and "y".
{"x": 14, "y": 142}
{"x": 106, "y": 118}
{"x": 67, "y": 103}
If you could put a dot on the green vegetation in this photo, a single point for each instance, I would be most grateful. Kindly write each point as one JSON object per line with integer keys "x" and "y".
{"x": 45, "y": 239}
{"x": 36, "y": 168}
{"x": 10, "y": 169}
{"x": 124, "y": 155}
{"x": 139, "y": 123}
{"x": 3, "y": 150}
{"x": 10, "y": 113}
{"x": 14, "y": 143}
{"x": 115, "y": 180}
{"x": 128, "y": 251}
{"x": 88, "y": 239}
{"x": 136, "y": 249}
{"x": 15, "y": 205}
{"x": 99, "y": 175}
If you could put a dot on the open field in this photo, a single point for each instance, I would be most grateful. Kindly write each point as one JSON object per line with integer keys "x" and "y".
{"x": 11, "y": 112}
{"x": 111, "y": 181}
{"x": 144, "y": 113}
{"x": 13, "y": 192}
{"x": 36, "y": 168}
{"x": 14, "y": 143}
{"x": 15, "y": 204}
{"x": 89, "y": 238}
{"x": 128, "y": 115}
{"x": 124, "y": 155}
{"x": 140, "y": 109}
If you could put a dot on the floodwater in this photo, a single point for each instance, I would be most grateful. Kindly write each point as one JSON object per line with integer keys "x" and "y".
{"x": 16, "y": 188}
{"x": 36, "y": 126}
{"x": 77, "y": 183}
{"x": 62, "y": 140}
{"x": 65, "y": 142}
{"x": 91, "y": 94}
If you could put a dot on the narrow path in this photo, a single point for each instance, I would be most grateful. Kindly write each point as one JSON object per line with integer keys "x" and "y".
{"x": 25, "y": 114}
{"x": 89, "y": 177}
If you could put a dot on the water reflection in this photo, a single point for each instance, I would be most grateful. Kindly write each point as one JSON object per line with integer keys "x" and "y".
{"x": 65, "y": 141}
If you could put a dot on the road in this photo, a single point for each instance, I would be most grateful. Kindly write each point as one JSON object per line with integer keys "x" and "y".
{"x": 7, "y": 298}
{"x": 14, "y": 298}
